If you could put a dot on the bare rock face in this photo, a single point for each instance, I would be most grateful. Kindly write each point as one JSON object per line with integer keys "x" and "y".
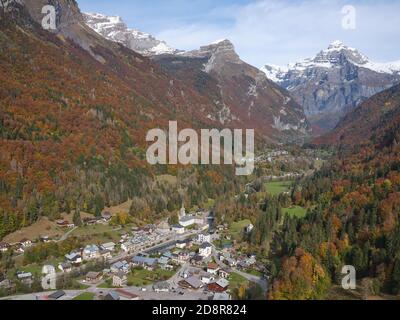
{"x": 243, "y": 93}
{"x": 113, "y": 28}
{"x": 335, "y": 81}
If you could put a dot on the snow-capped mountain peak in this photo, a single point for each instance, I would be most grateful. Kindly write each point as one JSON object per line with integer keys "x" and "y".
{"x": 114, "y": 28}
{"x": 336, "y": 80}
{"x": 336, "y": 55}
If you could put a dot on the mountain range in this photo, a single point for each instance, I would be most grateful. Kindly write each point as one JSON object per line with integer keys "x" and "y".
{"x": 114, "y": 29}
{"x": 334, "y": 82}
{"x": 242, "y": 93}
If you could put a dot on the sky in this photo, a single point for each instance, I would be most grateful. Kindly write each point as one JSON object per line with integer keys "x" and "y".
{"x": 265, "y": 31}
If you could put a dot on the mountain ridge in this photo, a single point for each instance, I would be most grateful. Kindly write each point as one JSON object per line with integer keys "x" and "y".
{"x": 335, "y": 81}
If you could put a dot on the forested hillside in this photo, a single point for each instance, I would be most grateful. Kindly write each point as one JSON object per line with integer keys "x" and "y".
{"x": 354, "y": 210}
{"x": 73, "y": 124}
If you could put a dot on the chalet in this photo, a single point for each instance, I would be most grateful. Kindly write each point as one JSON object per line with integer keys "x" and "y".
{"x": 106, "y": 215}
{"x": 120, "y": 266}
{"x": 205, "y": 250}
{"x": 64, "y": 224}
{"x": 94, "y": 277}
{"x": 219, "y": 286}
{"x": 74, "y": 258}
{"x": 224, "y": 274}
{"x": 161, "y": 287}
{"x": 178, "y": 229}
{"x": 207, "y": 278}
{"x": 26, "y": 243}
{"x": 120, "y": 279}
{"x": 212, "y": 268}
{"x": 164, "y": 263}
{"x": 126, "y": 295}
{"x": 56, "y": 295}
{"x": 65, "y": 267}
{"x": 4, "y": 246}
{"x": 197, "y": 260}
{"x": 91, "y": 252}
{"x": 110, "y": 246}
{"x": 203, "y": 237}
{"x": 191, "y": 283}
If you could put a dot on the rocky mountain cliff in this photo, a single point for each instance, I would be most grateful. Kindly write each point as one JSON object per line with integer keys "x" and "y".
{"x": 244, "y": 94}
{"x": 375, "y": 122}
{"x": 335, "y": 81}
{"x": 113, "y": 28}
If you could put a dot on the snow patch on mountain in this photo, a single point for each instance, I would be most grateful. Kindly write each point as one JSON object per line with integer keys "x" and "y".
{"x": 328, "y": 59}
{"x": 114, "y": 28}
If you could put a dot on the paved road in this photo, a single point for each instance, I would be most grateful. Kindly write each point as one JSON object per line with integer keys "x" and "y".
{"x": 66, "y": 235}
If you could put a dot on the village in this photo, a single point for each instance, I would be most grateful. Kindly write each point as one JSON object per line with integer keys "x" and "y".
{"x": 178, "y": 262}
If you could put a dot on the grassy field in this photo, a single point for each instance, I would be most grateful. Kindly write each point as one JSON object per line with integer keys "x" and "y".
{"x": 275, "y": 188}
{"x": 86, "y": 296}
{"x": 99, "y": 233}
{"x": 142, "y": 277}
{"x": 236, "y": 228}
{"x": 295, "y": 211}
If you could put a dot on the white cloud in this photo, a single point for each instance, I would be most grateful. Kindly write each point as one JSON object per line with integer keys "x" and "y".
{"x": 282, "y": 31}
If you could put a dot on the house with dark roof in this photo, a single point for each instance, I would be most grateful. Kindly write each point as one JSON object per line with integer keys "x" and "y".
{"x": 144, "y": 261}
{"x": 56, "y": 295}
{"x": 112, "y": 296}
{"x": 161, "y": 287}
{"x": 191, "y": 283}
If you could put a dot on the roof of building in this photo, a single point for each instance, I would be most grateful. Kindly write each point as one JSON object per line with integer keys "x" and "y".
{"x": 187, "y": 218}
{"x": 93, "y": 275}
{"x": 126, "y": 294}
{"x": 91, "y": 248}
{"x": 120, "y": 275}
{"x": 194, "y": 282}
{"x": 161, "y": 285}
{"x": 212, "y": 266}
{"x": 108, "y": 244}
{"x": 57, "y": 295}
{"x": 144, "y": 260}
{"x": 163, "y": 260}
{"x": 205, "y": 245}
{"x": 222, "y": 296}
{"x": 113, "y": 295}
{"x": 223, "y": 283}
